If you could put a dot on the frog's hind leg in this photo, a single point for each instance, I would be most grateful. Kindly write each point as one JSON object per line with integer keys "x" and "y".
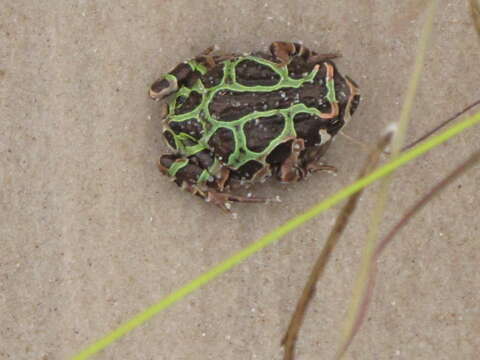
{"x": 311, "y": 160}
{"x": 283, "y": 52}
{"x": 186, "y": 73}
{"x": 182, "y": 74}
{"x": 301, "y": 162}
{"x": 195, "y": 174}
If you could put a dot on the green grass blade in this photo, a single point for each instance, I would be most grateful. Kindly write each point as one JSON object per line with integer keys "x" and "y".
{"x": 274, "y": 236}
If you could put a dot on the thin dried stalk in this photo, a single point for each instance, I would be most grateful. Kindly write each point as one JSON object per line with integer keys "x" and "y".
{"x": 289, "y": 340}
{"x": 425, "y": 136}
{"x": 475, "y": 10}
{"x": 443, "y": 124}
{"x": 437, "y": 189}
{"x": 361, "y": 286}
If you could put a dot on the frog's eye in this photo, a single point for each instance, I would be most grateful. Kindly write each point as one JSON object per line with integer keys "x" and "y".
{"x": 163, "y": 87}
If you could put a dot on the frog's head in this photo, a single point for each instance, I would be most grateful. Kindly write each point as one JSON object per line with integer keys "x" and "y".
{"x": 163, "y": 87}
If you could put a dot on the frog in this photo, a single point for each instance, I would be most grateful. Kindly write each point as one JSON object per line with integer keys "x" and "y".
{"x": 232, "y": 120}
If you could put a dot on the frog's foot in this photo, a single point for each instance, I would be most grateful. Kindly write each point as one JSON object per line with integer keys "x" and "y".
{"x": 207, "y": 57}
{"x": 283, "y": 52}
{"x": 222, "y": 177}
{"x": 298, "y": 165}
{"x": 290, "y": 170}
{"x": 211, "y": 56}
{"x": 209, "y": 50}
{"x": 222, "y": 200}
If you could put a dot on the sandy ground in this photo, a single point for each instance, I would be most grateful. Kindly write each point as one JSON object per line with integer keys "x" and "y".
{"x": 91, "y": 233}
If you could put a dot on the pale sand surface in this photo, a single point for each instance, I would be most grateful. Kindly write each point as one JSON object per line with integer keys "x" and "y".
{"x": 91, "y": 233}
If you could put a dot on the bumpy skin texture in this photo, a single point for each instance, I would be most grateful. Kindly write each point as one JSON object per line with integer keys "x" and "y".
{"x": 233, "y": 118}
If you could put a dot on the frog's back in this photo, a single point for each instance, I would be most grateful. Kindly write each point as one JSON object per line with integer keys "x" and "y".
{"x": 244, "y": 107}
{"x": 246, "y": 117}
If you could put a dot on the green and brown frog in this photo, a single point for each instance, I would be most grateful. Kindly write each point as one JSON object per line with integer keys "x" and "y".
{"x": 233, "y": 120}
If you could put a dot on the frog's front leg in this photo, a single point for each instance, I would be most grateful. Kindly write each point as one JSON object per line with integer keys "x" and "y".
{"x": 194, "y": 174}
{"x": 283, "y": 52}
{"x": 290, "y": 170}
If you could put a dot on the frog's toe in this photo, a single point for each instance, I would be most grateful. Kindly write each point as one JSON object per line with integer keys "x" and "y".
{"x": 284, "y": 51}
{"x": 223, "y": 200}
{"x": 318, "y": 58}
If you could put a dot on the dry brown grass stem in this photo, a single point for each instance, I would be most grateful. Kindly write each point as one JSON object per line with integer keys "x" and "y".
{"x": 341, "y": 222}
{"x": 439, "y": 187}
{"x": 475, "y": 10}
